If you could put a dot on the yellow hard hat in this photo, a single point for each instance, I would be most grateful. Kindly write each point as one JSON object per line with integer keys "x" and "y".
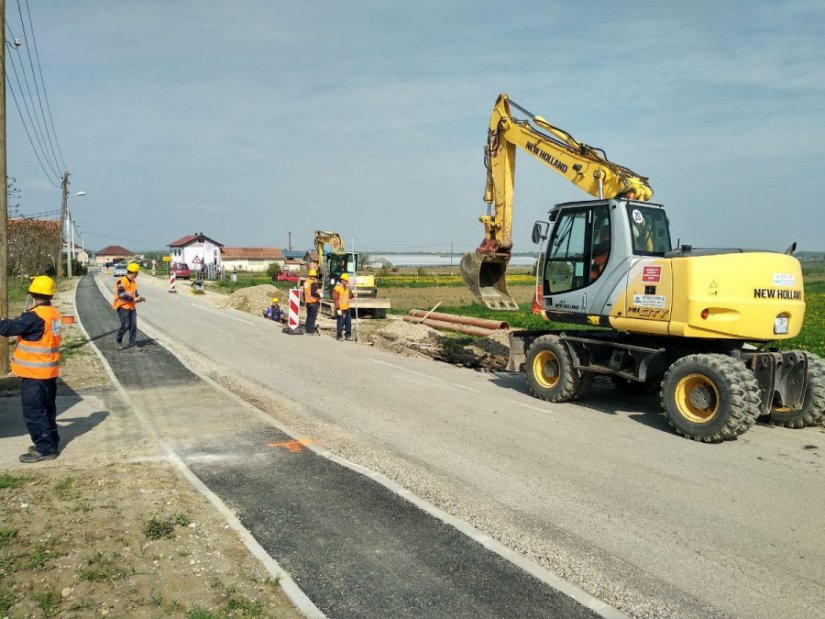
{"x": 313, "y": 272}
{"x": 274, "y": 300}
{"x": 43, "y": 284}
{"x": 345, "y": 276}
{"x": 133, "y": 267}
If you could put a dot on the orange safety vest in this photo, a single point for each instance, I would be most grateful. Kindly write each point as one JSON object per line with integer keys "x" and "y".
{"x": 341, "y": 295}
{"x": 130, "y": 288}
{"x": 308, "y": 296}
{"x": 597, "y": 265}
{"x": 39, "y": 359}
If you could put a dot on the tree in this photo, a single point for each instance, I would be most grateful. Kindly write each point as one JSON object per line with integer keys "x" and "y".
{"x": 273, "y": 269}
{"x": 31, "y": 246}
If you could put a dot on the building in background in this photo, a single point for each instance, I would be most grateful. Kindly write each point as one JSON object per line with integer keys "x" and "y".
{"x": 251, "y": 258}
{"x": 198, "y": 251}
{"x": 112, "y": 253}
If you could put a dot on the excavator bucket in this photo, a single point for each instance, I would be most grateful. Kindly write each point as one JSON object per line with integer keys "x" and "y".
{"x": 484, "y": 275}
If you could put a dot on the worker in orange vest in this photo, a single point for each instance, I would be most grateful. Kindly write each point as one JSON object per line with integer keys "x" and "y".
{"x": 126, "y": 300}
{"x": 36, "y": 360}
{"x": 341, "y": 295}
{"x": 312, "y": 301}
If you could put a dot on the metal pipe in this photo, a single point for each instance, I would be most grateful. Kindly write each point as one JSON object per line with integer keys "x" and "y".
{"x": 452, "y": 326}
{"x": 484, "y": 323}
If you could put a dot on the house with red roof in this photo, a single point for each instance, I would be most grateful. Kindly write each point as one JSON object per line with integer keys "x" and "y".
{"x": 198, "y": 251}
{"x": 251, "y": 258}
{"x": 112, "y": 253}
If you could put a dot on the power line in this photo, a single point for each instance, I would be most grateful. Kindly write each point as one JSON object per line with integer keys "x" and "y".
{"x": 42, "y": 81}
{"x": 31, "y": 112}
{"x": 28, "y": 135}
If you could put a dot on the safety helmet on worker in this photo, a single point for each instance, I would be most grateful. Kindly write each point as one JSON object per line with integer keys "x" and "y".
{"x": 313, "y": 273}
{"x": 345, "y": 277}
{"x": 274, "y": 300}
{"x": 43, "y": 285}
{"x": 132, "y": 267}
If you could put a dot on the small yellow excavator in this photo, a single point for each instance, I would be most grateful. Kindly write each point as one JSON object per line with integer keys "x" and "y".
{"x": 337, "y": 261}
{"x": 694, "y": 324}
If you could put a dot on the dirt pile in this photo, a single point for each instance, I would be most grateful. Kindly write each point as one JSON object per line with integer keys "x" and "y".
{"x": 254, "y": 299}
{"x": 415, "y": 340}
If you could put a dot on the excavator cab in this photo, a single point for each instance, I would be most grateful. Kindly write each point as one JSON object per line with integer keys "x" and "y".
{"x": 484, "y": 275}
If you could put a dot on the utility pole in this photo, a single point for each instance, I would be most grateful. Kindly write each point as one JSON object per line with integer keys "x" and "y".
{"x": 70, "y": 241}
{"x": 4, "y": 198}
{"x": 63, "y": 202}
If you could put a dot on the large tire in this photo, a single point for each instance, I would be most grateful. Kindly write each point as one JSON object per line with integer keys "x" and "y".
{"x": 813, "y": 406}
{"x": 710, "y": 397}
{"x": 550, "y": 372}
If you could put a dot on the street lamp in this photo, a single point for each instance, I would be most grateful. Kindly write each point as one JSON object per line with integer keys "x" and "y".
{"x": 70, "y": 235}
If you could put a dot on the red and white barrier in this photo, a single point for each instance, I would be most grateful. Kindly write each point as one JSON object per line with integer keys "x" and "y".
{"x": 294, "y": 306}
{"x": 172, "y": 282}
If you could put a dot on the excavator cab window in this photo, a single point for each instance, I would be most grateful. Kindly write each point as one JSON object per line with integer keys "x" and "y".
{"x": 566, "y": 255}
{"x": 650, "y": 231}
{"x": 599, "y": 241}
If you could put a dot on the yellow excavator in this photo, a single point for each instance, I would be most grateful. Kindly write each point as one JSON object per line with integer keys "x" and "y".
{"x": 694, "y": 324}
{"x": 337, "y": 261}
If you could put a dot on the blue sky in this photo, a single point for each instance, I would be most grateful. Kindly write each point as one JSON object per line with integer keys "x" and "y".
{"x": 248, "y": 120}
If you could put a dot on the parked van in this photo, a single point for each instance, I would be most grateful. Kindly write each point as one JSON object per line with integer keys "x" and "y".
{"x": 180, "y": 269}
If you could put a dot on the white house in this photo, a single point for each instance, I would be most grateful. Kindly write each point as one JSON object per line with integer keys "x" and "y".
{"x": 197, "y": 251}
{"x": 251, "y": 258}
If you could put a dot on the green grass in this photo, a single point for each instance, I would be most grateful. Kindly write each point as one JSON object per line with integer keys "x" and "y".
{"x": 12, "y": 481}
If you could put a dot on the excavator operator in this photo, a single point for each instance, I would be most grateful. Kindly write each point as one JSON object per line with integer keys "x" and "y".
{"x": 600, "y": 253}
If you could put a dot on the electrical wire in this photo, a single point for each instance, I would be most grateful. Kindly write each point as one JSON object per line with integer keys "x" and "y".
{"x": 28, "y": 135}
{"x": 43, "y": 82}
{"x": 31, "y": 112}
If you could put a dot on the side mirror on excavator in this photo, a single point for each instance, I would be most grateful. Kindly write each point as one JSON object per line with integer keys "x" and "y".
{"x": 540, "y": 231}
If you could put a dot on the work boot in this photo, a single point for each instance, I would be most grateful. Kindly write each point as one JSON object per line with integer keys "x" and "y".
{"x": 339, "y": 338}
{"x": 33, "y": 450}
{"x": 349, "y": 338}
{"x": 32, "y": 456}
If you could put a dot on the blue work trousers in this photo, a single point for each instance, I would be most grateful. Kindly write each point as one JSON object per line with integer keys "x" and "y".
{"x": 343, "y": 323}
{"x": 128, "y": 322}
{"x": 39, "y": 400}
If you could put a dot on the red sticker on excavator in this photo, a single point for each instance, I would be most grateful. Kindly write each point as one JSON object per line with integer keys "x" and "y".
{"x": 651, "y": 274}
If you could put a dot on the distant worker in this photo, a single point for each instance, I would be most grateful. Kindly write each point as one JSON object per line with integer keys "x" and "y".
{"x": 628, "y": 194}
{"x": 274, "y": 312}
{"x": 341, "y": 295}
{"x": 126, "y": 300}
{"x": 36, "y": 360}
{"x": 312, "y": 300}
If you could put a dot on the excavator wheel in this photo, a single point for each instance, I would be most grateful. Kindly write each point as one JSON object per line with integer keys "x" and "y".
{"x": 813, "y": 406}
{"x": 710, "y": 397}
{"x": 551, "y": 374}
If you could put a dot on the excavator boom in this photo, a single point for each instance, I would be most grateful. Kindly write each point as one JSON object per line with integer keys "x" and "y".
{"x": 586, "y": 167}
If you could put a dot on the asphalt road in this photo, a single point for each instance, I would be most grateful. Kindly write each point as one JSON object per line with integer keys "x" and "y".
{"x": 355, "y": 548}
{"x": 602, "y": 494}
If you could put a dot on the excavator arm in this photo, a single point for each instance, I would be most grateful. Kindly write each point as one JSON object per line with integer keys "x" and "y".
{"x": 585, "y": 166}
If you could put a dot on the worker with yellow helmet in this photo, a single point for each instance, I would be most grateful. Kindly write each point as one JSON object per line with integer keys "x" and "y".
{"x": 341, "y": 294}
{"x": 36, "y": 360}
{"x": 125, "y": 302}
{"x": 274, "y": 312}
{"x": 312, "y": 301}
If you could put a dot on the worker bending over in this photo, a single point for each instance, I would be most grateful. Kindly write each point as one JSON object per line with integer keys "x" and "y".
{"x": 341, "y": 295}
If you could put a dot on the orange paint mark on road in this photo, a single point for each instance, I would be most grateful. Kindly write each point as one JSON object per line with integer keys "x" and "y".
{"x": 294, "y": 446}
